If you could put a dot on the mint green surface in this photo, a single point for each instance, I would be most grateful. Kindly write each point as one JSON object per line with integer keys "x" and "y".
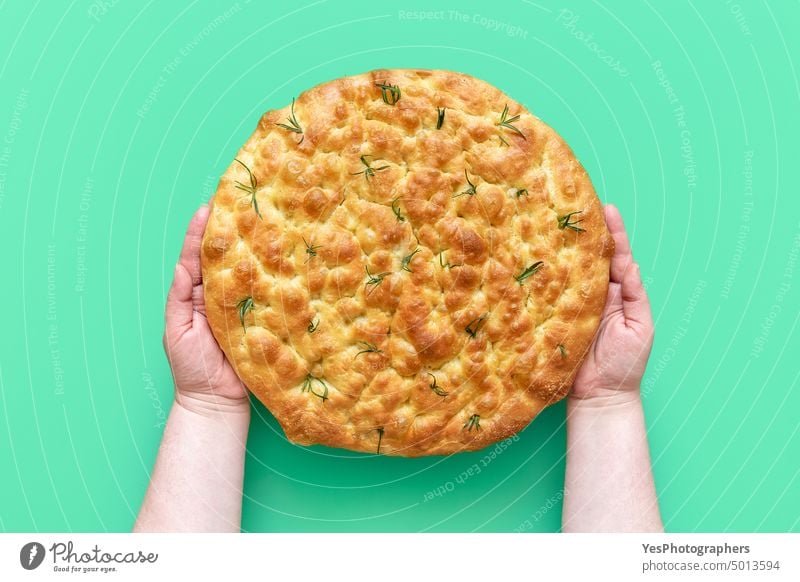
{"x": 116, "y": 121}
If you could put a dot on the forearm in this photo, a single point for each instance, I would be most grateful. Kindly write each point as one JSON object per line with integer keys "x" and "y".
{"x": 196, "y": 485}
{"x": 609, "y": 481}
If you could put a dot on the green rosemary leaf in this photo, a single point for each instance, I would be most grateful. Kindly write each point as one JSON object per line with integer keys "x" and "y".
{"x": 507, "y": 122}
{"x": 380, "y": 438}
{"x": 308, "y": 386}
{"x": 368, "y": 348}
{"x": 368, "y": 170}
{"x": 447, "y": 265}
{"x": 529, "y": 271}
{"x": 471, "y": 191}
{"x": 390, "y": 93}
{"x": 311, "y": 250}
{"x": 406, "y": 262}
{"x": 440, "y": 116}
{"x": 521, "y": 192}
{"x": 374, "y": 280}
{"x": 435, "y": 387}
{"x": 293, "y": 125}
{"x": 396, "y": 210}
{"x": 503, "y": 141}
{"x": 474, "y": 421}
{"x": 565, "y": 221}
{"x": 251, "y": 188}
{"x": 313, "y": 325}
{"x": 474, "y": 325}
{"x": 563, "y": 350}
{"x": 244, "y": 306}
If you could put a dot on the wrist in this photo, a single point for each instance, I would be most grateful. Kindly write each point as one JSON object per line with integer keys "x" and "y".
{"x": 213, "y": 406}
{"x": 605, "y": 399}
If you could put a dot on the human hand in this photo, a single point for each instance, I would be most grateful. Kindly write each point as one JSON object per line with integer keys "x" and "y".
{"x": 616, "y": 361}
{"x": 204, "y": 380}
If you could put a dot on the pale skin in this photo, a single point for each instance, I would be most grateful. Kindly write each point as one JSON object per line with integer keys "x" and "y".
{"x": 196, "y": 485}
{"x": 609, "y": 482}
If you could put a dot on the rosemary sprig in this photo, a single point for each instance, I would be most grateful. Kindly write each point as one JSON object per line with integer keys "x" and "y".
{"x": 251, "y": 188}
{"x": 244, "y": 306}
{"x": 308, "y": 386}
{"x": 475, "y": 324}
{"x": 293, "y": 125}
{"x": 529, "y": 271}
{"x": 471, "y": 191}
{"x": 474, "y": 421}
{"x": 313, "y": 325}
{"x": 440, "y": 116}
{"x": 563, "y": 350}
{"x": 521, "y": 192}
{"x": 368, "y": 170}
{"x": 380, "y": 438}
{"x": 390, "y": 93}
{"x": 503, "y": 141}
{"x": 368, "y": 348}
{"x": 396, "y": 210}
{"x": 506, "y": 121}
{"x": 448, "y": 264}
{"x": 565, "y": 222}
{"x": 406, "y": 262}
{"x": 311, "y": 250}
{"x": 435, "y": 387}
{"x": 374, "y": 280}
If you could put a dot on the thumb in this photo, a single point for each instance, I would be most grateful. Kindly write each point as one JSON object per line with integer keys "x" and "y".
{"x": 635, "y": 303}
{"x": 179, "y": 312}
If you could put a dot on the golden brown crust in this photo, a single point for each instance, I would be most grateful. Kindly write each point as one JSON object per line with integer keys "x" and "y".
{"x": 340, "y": 341}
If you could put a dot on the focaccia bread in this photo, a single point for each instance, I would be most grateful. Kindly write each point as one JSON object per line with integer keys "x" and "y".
{"x": 405, "y": 262}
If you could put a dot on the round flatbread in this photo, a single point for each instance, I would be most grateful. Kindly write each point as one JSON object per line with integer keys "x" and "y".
{"x": 405, "y": 262}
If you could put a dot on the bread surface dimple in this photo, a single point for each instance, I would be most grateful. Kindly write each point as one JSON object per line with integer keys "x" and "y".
{"x": 384, "y": 260}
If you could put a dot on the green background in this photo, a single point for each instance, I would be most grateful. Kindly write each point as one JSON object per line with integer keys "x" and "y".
{"x": 109, "y": 144}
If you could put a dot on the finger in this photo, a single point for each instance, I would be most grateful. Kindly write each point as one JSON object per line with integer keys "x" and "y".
{"x": 635, "y": 304}
{"x": 190, "y": 253}
{"x": 198, "y": 299}
{"x": 614, "y": 299}
{"x": 179, "y": 311}
{"x": 622, "y": 248}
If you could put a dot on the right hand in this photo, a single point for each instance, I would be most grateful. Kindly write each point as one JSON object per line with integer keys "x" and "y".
{"x": 205, "y": 382}
{"x": 614, "y": 367}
